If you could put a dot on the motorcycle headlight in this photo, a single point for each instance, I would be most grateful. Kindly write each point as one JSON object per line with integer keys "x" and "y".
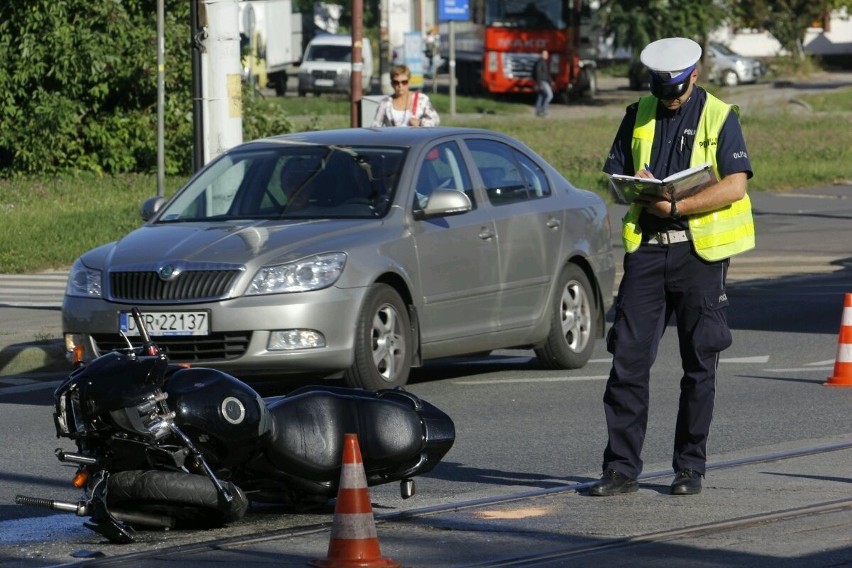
{"x": 313, "y": 273}
{"x": 84, "y": 282}
{"x": 68, "y": 414}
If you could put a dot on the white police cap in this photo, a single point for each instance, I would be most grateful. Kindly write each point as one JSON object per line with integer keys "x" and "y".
{"x": 670, "y": 63}
{"x": 670, "y": 57}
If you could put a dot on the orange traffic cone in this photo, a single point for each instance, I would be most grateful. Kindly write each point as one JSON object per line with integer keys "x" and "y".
{"x": 354, "y": 543}
{"x": 843, "y": 364}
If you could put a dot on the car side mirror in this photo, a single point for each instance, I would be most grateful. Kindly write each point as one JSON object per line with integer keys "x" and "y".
{"x": 444, "y": 202}
{"x": 151, "y": 207}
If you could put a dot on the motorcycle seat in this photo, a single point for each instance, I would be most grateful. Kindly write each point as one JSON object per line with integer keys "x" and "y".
{"x": 309, "y": 429}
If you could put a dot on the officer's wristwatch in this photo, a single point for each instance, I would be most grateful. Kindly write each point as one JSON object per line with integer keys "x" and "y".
{"x": 674, "y": 213}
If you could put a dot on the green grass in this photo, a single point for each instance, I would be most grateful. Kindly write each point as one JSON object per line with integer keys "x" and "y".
{"x": 47, "y": 223}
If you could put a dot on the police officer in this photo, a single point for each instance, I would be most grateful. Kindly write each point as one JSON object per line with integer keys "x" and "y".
{"x": 677, "y": 256}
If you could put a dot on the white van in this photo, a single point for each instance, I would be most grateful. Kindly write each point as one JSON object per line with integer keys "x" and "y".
{"x": 327, "y": 63}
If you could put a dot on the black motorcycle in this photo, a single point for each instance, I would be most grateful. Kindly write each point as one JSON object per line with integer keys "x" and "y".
{"x": 162, "y": 445}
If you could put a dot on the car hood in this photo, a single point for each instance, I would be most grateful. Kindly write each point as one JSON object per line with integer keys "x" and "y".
{"x": 244, "y": 244}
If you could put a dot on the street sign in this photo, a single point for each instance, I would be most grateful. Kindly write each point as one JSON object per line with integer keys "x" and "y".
{"x": 453, "y": 10}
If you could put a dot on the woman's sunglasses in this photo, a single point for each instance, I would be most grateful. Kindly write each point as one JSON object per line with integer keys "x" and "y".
{"x": 396, "y": 83}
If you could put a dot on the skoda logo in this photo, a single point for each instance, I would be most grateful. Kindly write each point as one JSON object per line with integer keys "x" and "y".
{"x": 167, "y": 272}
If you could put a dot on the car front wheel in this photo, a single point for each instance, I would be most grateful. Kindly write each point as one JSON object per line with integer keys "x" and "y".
{"x": 572, "y": 327}
{"x": 730, "y": 79}
{"x": 383, "y": 342}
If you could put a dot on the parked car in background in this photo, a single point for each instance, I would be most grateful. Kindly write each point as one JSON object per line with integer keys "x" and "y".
{"x": 327, "y": 65}
{"x": 357, "y": 251}
{"x": 637, "y": 76}
{"x": 729, "y": 68}
{"x": 726, "y": 68}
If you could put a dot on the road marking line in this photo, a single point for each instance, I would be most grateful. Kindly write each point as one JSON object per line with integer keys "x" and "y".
{"x": 760, "y": 359}
{"x": 799, "y": 370}
{"x": 538, "y": 380}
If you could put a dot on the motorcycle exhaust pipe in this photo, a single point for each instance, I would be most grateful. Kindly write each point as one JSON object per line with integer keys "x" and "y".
{"x": 136, "y": 518}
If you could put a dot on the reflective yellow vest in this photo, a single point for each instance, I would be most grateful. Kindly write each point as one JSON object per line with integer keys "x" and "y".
{"x": 717, "y": 234}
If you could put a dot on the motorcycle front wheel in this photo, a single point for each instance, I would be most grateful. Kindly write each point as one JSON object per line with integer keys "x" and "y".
{"x": 190, "y": 499}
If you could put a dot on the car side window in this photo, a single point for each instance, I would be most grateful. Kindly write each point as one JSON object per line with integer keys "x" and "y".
{"x": 443, "y": 168}
{"x": 535, "y": 177}
{"x": 508, "y": 176}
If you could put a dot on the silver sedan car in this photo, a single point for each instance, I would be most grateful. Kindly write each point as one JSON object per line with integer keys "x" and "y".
{"x": 361, "y": 252}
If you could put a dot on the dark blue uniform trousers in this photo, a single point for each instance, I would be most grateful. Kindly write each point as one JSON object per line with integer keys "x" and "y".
{"x": 658, "y": 281}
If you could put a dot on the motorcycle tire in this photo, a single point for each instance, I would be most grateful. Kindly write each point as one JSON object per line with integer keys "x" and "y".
{"x": 190, "y": 499}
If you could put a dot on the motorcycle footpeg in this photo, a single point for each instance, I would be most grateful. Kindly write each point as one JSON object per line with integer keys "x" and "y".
{"x": 114, "y": 531}
{"x": 406, "y": 488}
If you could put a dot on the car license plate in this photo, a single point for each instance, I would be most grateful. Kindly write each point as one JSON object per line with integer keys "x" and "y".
{"x": 324, "y": 82}
{"x": 167, "y": 323}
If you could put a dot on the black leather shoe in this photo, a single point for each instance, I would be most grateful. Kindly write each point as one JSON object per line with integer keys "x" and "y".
{"x": 613, "y": 483}
{"x": 686, "y": 482}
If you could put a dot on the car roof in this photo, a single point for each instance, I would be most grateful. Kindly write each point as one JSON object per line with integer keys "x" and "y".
{"x": 403, "y": 137}
{"x": 332, "y": 39}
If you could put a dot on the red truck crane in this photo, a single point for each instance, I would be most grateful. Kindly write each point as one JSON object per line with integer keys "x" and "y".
{"x": 497, "y": 49}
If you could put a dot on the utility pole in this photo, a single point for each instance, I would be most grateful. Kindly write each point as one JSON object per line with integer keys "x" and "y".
{"x": 217, "y": 84}
{"x": 356, "y": 74}
{"x": 198, "y": 27}
{"x": 161, "y": 99}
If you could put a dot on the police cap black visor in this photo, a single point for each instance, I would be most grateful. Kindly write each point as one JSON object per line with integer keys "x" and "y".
{"x": 667, "y": 91}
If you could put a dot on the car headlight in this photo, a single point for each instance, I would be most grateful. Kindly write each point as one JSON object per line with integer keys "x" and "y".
{"x": 313, "y": 273}
{"x": 84, "y": 282}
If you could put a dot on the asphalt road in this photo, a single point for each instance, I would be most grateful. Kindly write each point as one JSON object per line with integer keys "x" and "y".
{"x": 522, "y": 429}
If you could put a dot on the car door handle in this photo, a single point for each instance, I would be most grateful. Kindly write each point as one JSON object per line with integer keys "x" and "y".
{"x": 553, "y": 223}
{"x": 486, "y": 234}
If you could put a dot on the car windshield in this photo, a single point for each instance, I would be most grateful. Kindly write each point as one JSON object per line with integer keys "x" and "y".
{"x": 536, "y": 14}
{"x": 291, "y": 182}
{"x": 723, "y": 49}
{"x": 336, "y": 53}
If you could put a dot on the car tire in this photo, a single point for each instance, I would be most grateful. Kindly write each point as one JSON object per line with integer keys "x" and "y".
{"x": 190, "y": 499}
{"x": 730, "y": 78}
{"x": 572, "y": 326}
{"x": 383, "y": 342}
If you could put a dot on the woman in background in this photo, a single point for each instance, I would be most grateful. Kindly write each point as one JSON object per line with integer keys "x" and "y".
{"x": 403, "y": 107}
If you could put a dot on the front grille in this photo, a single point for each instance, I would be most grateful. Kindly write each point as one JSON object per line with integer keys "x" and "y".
{"x": 522, "y": 65}
{"x": 324, "y": 74}
{"x": 189, "y": 349}
{"x": 191, "y": 285}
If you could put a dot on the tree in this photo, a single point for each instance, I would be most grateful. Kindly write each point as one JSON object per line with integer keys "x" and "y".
{"x": 78, "y": 86}
{"x": 787, "y": 20}
{"x": 636, "y": 23}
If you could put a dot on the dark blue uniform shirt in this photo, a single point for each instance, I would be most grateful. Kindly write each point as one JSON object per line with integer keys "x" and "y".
{"x": 672, "y": 149}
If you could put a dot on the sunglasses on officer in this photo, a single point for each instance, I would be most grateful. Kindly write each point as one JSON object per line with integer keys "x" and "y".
{"x": 670, "y": 87}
